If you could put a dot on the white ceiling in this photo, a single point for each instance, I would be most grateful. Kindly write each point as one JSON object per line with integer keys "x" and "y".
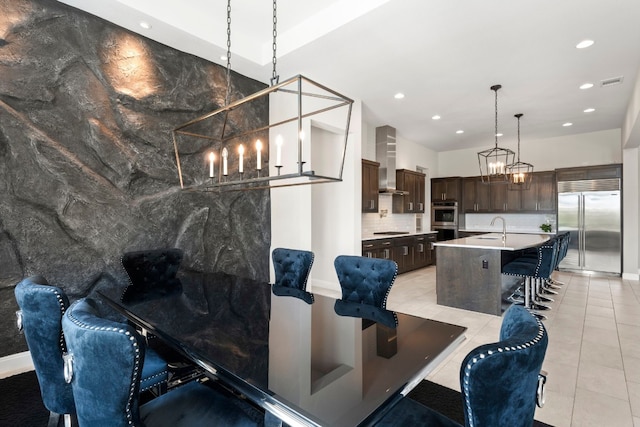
{"x": 443, "y": 54}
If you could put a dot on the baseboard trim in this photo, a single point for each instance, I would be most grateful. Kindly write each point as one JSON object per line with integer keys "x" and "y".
{"x": 631, "y": 276}
{"x": 14, "y": 364}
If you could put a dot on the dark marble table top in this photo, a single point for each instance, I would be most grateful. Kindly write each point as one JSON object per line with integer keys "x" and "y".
{"x": 302, "y": 362}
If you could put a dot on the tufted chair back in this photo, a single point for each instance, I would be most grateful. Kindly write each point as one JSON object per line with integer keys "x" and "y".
{"x": 547, "y": 255}
{"x": 500, "y": 381}
{"x": 366, "y": 283}
{"x": 107, "y": 359}
{"x": 292, "y": 268}
{"x": 152, "y": 274}
{"x": 41, "y": 309}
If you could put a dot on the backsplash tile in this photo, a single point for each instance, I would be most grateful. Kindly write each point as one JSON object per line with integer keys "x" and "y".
{"x": 515, "y": 222}
{"x": 372, "y": 222}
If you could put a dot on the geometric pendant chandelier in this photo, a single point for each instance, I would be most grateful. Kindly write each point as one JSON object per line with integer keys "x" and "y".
{"x": 302, "y": 124}
{"x": 520, "y": 173}
{"x": 493, "y": 162}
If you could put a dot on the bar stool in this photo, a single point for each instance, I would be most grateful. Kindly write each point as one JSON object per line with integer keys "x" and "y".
{"x": 534, "y": 271}
{"x": 564, "y": 240}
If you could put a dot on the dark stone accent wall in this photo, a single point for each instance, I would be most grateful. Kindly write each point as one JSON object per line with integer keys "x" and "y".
{"x": 87, "y": 168}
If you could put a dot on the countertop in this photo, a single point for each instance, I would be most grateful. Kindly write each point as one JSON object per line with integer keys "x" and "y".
{"x": 512, "y": 230}
{"x": 513, "y": 242}
{"x": 370, "y": 236}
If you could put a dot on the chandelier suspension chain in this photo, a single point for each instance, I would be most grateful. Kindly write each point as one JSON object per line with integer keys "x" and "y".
{"x": 274, "y": 74}
{"x": 495, "y": 89}
{"x": 518, "y": 116}
{"x": 228, "y": 97}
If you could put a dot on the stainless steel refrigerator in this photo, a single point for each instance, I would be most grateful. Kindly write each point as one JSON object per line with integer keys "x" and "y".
{"x": 591, "y": 211}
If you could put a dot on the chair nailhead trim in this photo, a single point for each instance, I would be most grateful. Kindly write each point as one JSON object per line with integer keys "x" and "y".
{"x": 386, "y": 295}
{"x": 469, "y": 366}
{"x": 61, "y": 342}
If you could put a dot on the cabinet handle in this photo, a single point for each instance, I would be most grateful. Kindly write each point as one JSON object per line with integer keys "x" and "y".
{"x": 405, "y": 250}
{"x": 372, "y": 204}
{"x": 386, "y": 254}
{"x": 369, "y": 255}
{"x": 421, "y": 206}
{"x": 368, "y": 246}
{"x": 504, "y": 207}
{"x": 420, "y": 247}
{"x": 410, "y": 206}
{"x": 386, "y": 244}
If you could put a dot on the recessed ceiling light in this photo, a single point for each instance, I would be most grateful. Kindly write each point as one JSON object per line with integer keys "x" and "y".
{"x": 459, "y": 131}
{"x": 584, "y": 43}
{"x": 589, "y": 110}
{"x": 567, "y": 124}
{"x": 436, "y": 117}
{"x": 145, "y": 25}
{"x": 586, "y": 86}
{"x": 399, "y": 95}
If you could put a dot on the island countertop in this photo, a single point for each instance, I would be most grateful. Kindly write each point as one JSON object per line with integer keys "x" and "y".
{"x": 513, "y": 241}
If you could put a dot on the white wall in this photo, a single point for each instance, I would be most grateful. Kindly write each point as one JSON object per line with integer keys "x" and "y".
{"x": 631, "y": 214}
{"x": 586, "y": 149}
{"x": 631, "y": 185}
{"x": 323, "y": 218}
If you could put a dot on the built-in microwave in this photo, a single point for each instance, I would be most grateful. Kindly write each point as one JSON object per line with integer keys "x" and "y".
{"x": 444, "y": 214}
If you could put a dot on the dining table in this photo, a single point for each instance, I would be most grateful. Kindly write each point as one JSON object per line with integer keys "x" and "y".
{"x": 300, "y": 363}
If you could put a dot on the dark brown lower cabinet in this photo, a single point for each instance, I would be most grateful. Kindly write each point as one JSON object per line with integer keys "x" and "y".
{"x": 410, "y": 253}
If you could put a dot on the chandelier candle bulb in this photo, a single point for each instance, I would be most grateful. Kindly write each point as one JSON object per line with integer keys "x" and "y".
{"x": 212, "y": 158}
{"x": 279, "y": 151}
{"x": 259, "y": 154}
{"x": 225, "y": 155}
{"x": 240, "y": 163}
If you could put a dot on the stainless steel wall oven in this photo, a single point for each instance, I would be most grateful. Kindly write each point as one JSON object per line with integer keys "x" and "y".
{"x": 444, "y": 219}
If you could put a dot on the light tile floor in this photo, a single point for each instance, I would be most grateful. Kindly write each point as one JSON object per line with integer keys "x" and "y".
{"x": 593, "y": 358}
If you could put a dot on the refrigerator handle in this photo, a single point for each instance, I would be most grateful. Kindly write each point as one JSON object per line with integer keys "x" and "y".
{"x": 582, "y": 235}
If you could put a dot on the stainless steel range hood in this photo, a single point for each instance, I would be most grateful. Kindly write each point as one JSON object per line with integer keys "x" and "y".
{"x": 386, "y": 156}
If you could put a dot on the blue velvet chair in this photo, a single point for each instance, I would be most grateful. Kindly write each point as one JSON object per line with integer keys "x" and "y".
{"x": 365, "y": 284}
{"x": 292, "y": 268}
{"x": 152, "y": 274}
{"x": 500, "y": 383}
{"x": 104, "y": 372}
{"x": 41, "y": 309}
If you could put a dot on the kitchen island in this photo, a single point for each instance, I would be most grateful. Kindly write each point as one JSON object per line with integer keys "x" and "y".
{"x": 469, "y": 270}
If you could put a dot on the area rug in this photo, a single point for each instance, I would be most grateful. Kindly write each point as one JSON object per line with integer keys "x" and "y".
{"x": 21, "y": 404}
{"x": 445, "y": 401}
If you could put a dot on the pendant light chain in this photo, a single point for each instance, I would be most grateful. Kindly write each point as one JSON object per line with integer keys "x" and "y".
{"x": 495, "y": 89}
{"x": 274, "y": 75}
{"x": 518, "y": 116}
{"x": 228, "y": 97}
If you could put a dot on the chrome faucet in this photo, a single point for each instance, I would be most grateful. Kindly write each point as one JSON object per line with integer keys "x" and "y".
{"x": 504, "y": 227}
